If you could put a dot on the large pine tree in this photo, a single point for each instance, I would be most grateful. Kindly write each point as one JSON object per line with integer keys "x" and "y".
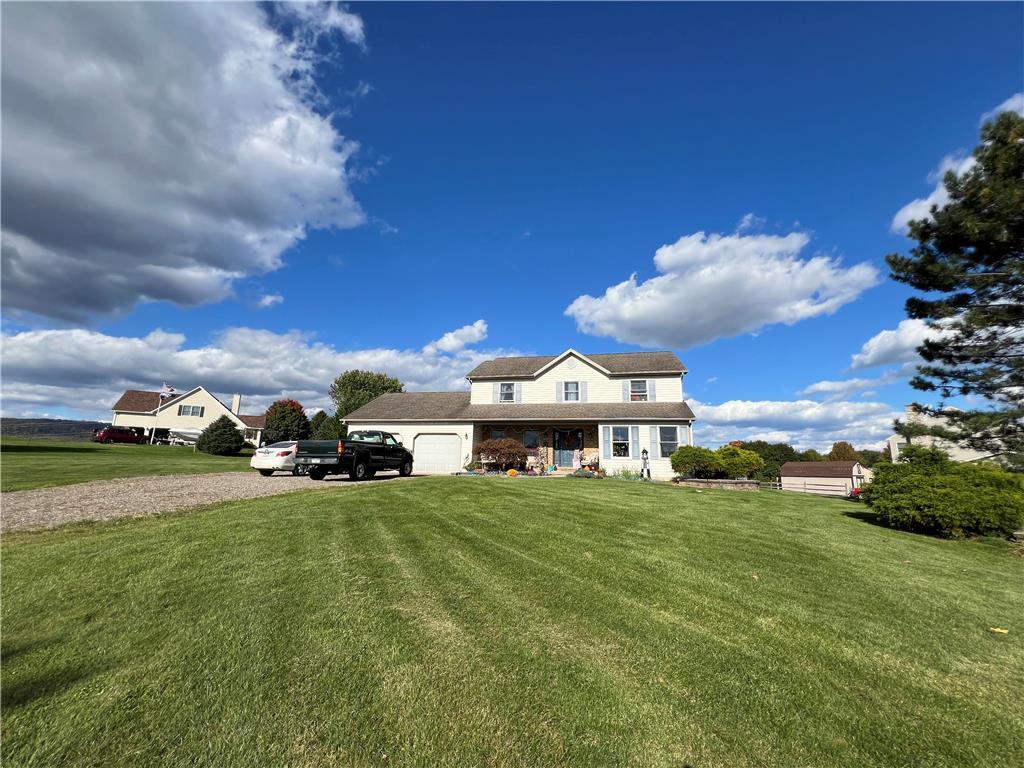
{"x": 969, "y": 262}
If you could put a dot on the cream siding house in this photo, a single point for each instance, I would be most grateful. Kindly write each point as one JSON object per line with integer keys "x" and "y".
{"x": 896, "y": 443}
{"x": 570, "y": 408}
{"x": 191, "y": 411}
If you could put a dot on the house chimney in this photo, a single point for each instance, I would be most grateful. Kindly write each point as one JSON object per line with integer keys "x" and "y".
{"x": 236, "y": 403}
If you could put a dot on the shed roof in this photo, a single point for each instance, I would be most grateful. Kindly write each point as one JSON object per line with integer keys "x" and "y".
{"x": 817, "y": 469}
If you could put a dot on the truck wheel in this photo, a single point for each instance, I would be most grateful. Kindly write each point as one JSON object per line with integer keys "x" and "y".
{"x": 317, "y": 473}
{"x": 266, "y": 472}
{"x": 359, "y": 470}
{"x": 300, "y": 469}
{"x": 406, "y": 469}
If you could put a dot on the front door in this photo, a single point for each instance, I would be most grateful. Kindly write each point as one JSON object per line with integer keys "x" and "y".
{"x": 567, "y": 442}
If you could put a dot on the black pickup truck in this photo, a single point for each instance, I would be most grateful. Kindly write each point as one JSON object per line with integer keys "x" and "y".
{"x": 361, "y": 455}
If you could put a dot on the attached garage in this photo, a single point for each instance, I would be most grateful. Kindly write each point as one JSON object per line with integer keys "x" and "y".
{"x": 437, "y": 453}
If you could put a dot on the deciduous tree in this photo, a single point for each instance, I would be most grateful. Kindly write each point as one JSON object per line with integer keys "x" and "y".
{"x": 354, "y": 389}
{"x": 286, "y": 420}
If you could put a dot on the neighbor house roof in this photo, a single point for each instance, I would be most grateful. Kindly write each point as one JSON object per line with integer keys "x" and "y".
{"x": 140, "y": 401}
{"x": 253, "y": 422}
{"x": 817, "y": 469}
{"x": 616, "y": 363}
{"x": 455, "y": 406}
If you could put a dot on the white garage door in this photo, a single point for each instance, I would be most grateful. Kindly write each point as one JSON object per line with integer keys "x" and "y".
{"x": 437, "y": 453}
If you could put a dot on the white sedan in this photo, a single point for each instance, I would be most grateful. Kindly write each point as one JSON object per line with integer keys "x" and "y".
{"x": 279, "y": 457}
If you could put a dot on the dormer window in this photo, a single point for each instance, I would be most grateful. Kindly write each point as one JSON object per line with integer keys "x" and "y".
{"x": 638, "y": 391}
{"x": 571, "y": 391}
{"x": 507, "y": 393}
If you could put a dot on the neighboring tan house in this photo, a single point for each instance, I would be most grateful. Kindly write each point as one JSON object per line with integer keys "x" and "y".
{"x": 190, "y": 412}
{"x": 828, "y": 478}
{"x": 571, "y": 407}
{"x": 896, "y": 443}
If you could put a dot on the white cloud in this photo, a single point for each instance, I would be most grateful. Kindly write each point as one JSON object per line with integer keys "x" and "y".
{"x": 161, "y": 151}
{"x": 268, "y": 300}
{"x": 898, "y": 345}
{"x": 47, "y": 369}
{"x": 711, "y": 380}
{"x": 921, "y": 208}
{"x": 717, "y": 286}
{"x": 837, "y": 390}
{"x": 453, "y": 341}
{"x": 1013, "y": 104}
{"x": 802, "y": 423}
{"x": 750, "y": 221}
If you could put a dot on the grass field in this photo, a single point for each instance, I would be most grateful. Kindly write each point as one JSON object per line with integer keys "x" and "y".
{"x": 36, "y": 463}
{"x": 472, "y": 622}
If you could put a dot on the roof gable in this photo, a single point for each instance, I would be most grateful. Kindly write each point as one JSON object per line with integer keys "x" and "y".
{"x": 142, "y": 401}
{"x": 663, "y": 363}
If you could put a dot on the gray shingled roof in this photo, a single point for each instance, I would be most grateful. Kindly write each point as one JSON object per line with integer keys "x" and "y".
{"x": 455, "y": 406}
{"x": 817, "y": 469}
{"x": 619, "y": 363}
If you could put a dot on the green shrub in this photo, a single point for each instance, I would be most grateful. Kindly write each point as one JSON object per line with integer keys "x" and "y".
{"x": 222, "y": 438}
{"x": 693, "y": 461}
{"x": 925, "y": 492}
{"x": 738, "y": 462}
{"x": 727, "y": 462}
{"x": 626, "y": 474}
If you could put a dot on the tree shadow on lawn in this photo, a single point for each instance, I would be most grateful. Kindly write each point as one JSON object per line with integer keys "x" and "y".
{"x": 43, "y": 448}
{"x": 18, "y": 690}
{"x": 865, "y": 515}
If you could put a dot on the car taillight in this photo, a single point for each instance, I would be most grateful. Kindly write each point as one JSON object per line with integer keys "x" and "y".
{"x": 284, "y": 453}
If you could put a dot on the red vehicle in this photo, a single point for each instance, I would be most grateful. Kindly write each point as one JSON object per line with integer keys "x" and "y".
{"x": 118, "y": 435}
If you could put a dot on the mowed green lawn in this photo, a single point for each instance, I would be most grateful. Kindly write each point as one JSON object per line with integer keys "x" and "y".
{"x": 39, "y": 462}
{"x": 499, "y": 622}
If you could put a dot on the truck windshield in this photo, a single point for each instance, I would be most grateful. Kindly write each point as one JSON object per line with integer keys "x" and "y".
{"x": 364, "y": 437}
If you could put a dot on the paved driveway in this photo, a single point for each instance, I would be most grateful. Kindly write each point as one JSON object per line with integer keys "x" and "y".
{"x": 140, "y": 496}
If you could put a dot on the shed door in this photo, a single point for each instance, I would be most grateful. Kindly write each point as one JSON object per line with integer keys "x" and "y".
{"x": 437, "y": 453}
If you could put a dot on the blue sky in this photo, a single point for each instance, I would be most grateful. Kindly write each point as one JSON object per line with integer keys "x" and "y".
{"x": 510, "y": 159}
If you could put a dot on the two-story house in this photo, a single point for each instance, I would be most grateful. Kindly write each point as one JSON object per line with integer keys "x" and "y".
{"x": 571, "y": 406}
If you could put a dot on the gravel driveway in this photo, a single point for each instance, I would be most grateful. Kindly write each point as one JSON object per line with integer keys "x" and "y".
{"x": 140, "y": 496}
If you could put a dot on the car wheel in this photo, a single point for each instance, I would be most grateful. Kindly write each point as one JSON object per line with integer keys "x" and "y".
{"x": 406, "y": 469}
{"x": 359, "y": 470}
{"x": 108, "y": 441}
{"x": 300, "y": 469}
{"x": 266, "y": 472}
{"x": 317, "y": 474}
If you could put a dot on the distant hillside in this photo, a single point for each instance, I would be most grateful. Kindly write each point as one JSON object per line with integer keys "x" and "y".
{"x": 65, "y": 428}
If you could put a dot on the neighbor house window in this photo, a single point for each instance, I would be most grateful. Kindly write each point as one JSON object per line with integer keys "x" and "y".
{"x": 620, "y": 442}
{"x": 507, "y": 393}
{"x": 497, "y": 434}
{"x": 571, "y": 392}
{"x": 531, "y": 438}
{"x": 668, "y": 438}
{"x": 191, "y": 410}
{"x": 638, "y": 390}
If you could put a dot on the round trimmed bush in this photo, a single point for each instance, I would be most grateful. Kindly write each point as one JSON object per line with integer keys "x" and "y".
{"x": 222, "y": 438}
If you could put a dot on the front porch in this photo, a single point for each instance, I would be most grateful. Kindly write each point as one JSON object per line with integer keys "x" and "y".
{"x": 567, "y": 446}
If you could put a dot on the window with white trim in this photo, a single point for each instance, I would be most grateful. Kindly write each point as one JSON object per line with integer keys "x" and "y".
{"x": 191, "y": 410}
{"x": 571, "y": 391}
{"x": 506, "y": 393}
{"x": 638, "y": 390}
{"x": 668, "y": 440}
{"x": 620, "y": 442}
